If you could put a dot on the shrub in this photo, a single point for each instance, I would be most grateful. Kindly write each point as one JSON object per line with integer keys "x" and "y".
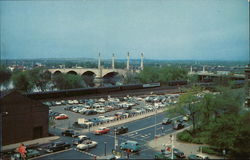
{"x": 211, "y": 150}
{"x": 184, "y": 136}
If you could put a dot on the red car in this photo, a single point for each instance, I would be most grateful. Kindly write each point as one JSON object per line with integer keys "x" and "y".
{"x": 102, "y": 130}
{"x": 61, "y": 116}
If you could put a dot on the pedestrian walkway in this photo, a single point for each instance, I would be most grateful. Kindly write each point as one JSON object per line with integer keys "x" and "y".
{"x": 187, "y": 148}
{"x": 39, "y": 141}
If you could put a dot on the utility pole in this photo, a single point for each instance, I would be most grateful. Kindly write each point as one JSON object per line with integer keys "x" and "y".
{"x": 128, "y": 61}
{"x": 155, "y": 122}
{"x": 105, "y": 143}
{"x": 172, "y": 146}
{"x": 99, "y": 61}
{"x": 142, "y": 61}
{"x": 113, "y": 61}
{"x": 116, "y": 142}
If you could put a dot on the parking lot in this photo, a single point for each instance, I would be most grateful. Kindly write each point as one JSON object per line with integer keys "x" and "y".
{"x": 142, "y": 130}
{"x": 107, "y": 110}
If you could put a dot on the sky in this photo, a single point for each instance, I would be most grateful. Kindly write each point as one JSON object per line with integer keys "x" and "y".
{"x": 161, "y": 29}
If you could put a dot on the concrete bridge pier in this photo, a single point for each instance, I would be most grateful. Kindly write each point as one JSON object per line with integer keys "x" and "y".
{"x": 98, "y": 81}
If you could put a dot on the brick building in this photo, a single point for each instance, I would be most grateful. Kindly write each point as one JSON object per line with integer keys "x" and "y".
{"x": 22, "y": 118}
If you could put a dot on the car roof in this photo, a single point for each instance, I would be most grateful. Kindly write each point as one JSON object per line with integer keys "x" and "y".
{"x": 201, "y": 155}
{"x": 82, "y": 136}
{"x": 122, "y": 127}
{"x": 134, "y": 142}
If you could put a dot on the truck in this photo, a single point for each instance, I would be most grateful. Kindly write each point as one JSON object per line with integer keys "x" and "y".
{"x": 83, "y": 123}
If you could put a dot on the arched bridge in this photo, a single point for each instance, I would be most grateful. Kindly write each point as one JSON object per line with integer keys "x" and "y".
{"x": 99, "y": 73}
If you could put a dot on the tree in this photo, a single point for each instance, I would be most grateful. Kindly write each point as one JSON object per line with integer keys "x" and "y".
{"x": 40, "y": 78}
{"x": 149, "y": 74}
{"x": 163, "y": 75}
{"x": 193, "y": 79}
{"x": 189, "y": 104}
{"x": 68, "y": 81}
{"x": 5, "y": 75}
{"x": 131, "y": 78}
{"x": 22, "y": 81}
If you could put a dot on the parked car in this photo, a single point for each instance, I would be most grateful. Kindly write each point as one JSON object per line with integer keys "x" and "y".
{"x": 197, "y": 156}
{"x": 178, "y": 125}
{"x": 95, "y": 120}
{"x": 86, "y": 145}
{"x": 61, "y": 116}
{"x": 80, "y": 139}
{"x": 58, "y": 103}
{"x": 133, "y": 146}
{"x": 121, "y": 130}
{"x": 70, "y": 133}
{"x": 68, "y": 108}
{"x": 100, "y": 110}
{"x": 185, "y": 118}
{"x": 57, "y": 146}
{"x": 164, "y": 154}
{"x": 30, "y": 153}
{"x": 166, "y": 121}
{"x": 90, "y": 112}
{"x": 101, "y": 130}
{"x": 178, "y": 153}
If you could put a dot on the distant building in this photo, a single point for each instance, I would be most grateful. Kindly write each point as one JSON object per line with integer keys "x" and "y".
{"x": 22, "y": 118}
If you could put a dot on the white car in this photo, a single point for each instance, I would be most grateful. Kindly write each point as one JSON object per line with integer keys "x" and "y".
{"x": 83, "y": 110}
{"x": 58, "y": 103}
{"x": 86, "y": 145}
{"x": 82, "y": 137}
{"x": 75, "y": 101}
{"x": 70, "y": 102}
{"x": 100, "y": 110}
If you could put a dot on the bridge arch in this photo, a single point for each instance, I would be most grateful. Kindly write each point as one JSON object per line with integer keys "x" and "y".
{"x": 110, "y": 74}
{"x": 57, "y": 72}
{"x": 88, "y": 73}
{"x": 72, "y": 72}
{"x": 88, "y": 78}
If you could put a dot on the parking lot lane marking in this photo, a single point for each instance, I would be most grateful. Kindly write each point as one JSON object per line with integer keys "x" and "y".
{"x": 136, "y": 131}
{"x": 51, "y": 153}
{"x": 135, "y": 136}
{"x": 87, "y": 153}
{"x": 128, "y": 138}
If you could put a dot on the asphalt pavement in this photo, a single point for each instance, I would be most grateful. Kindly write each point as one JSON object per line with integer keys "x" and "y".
{"x": 142, "y": 131}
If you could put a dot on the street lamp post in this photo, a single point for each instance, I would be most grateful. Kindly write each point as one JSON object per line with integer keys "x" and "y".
{"x": 105, "y": 148}
{"x": 155, "y": 122}
{"x": 116, "y": 143}
{"x": 172, "y": 146}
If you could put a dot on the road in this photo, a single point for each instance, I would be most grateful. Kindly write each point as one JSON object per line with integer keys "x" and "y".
{"x": 142, "y": 131}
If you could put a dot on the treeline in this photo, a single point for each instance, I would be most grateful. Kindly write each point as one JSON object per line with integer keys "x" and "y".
{"x": 41, "y": 80}
{"x": 219, "y": 120}
{"x": 157, "y": 74}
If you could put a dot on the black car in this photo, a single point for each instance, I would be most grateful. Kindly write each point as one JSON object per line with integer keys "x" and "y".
{"x": 70, "y": 133}
{"x": 68, "y": 108}
{"x": 90, "y": 112}
{"x": 178, "y": 153}
{"x": 121, "y": 130}
{"x": 178, "y": 125}
{"x": 166, "y": 121}
{"x": 58, "y": 146}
